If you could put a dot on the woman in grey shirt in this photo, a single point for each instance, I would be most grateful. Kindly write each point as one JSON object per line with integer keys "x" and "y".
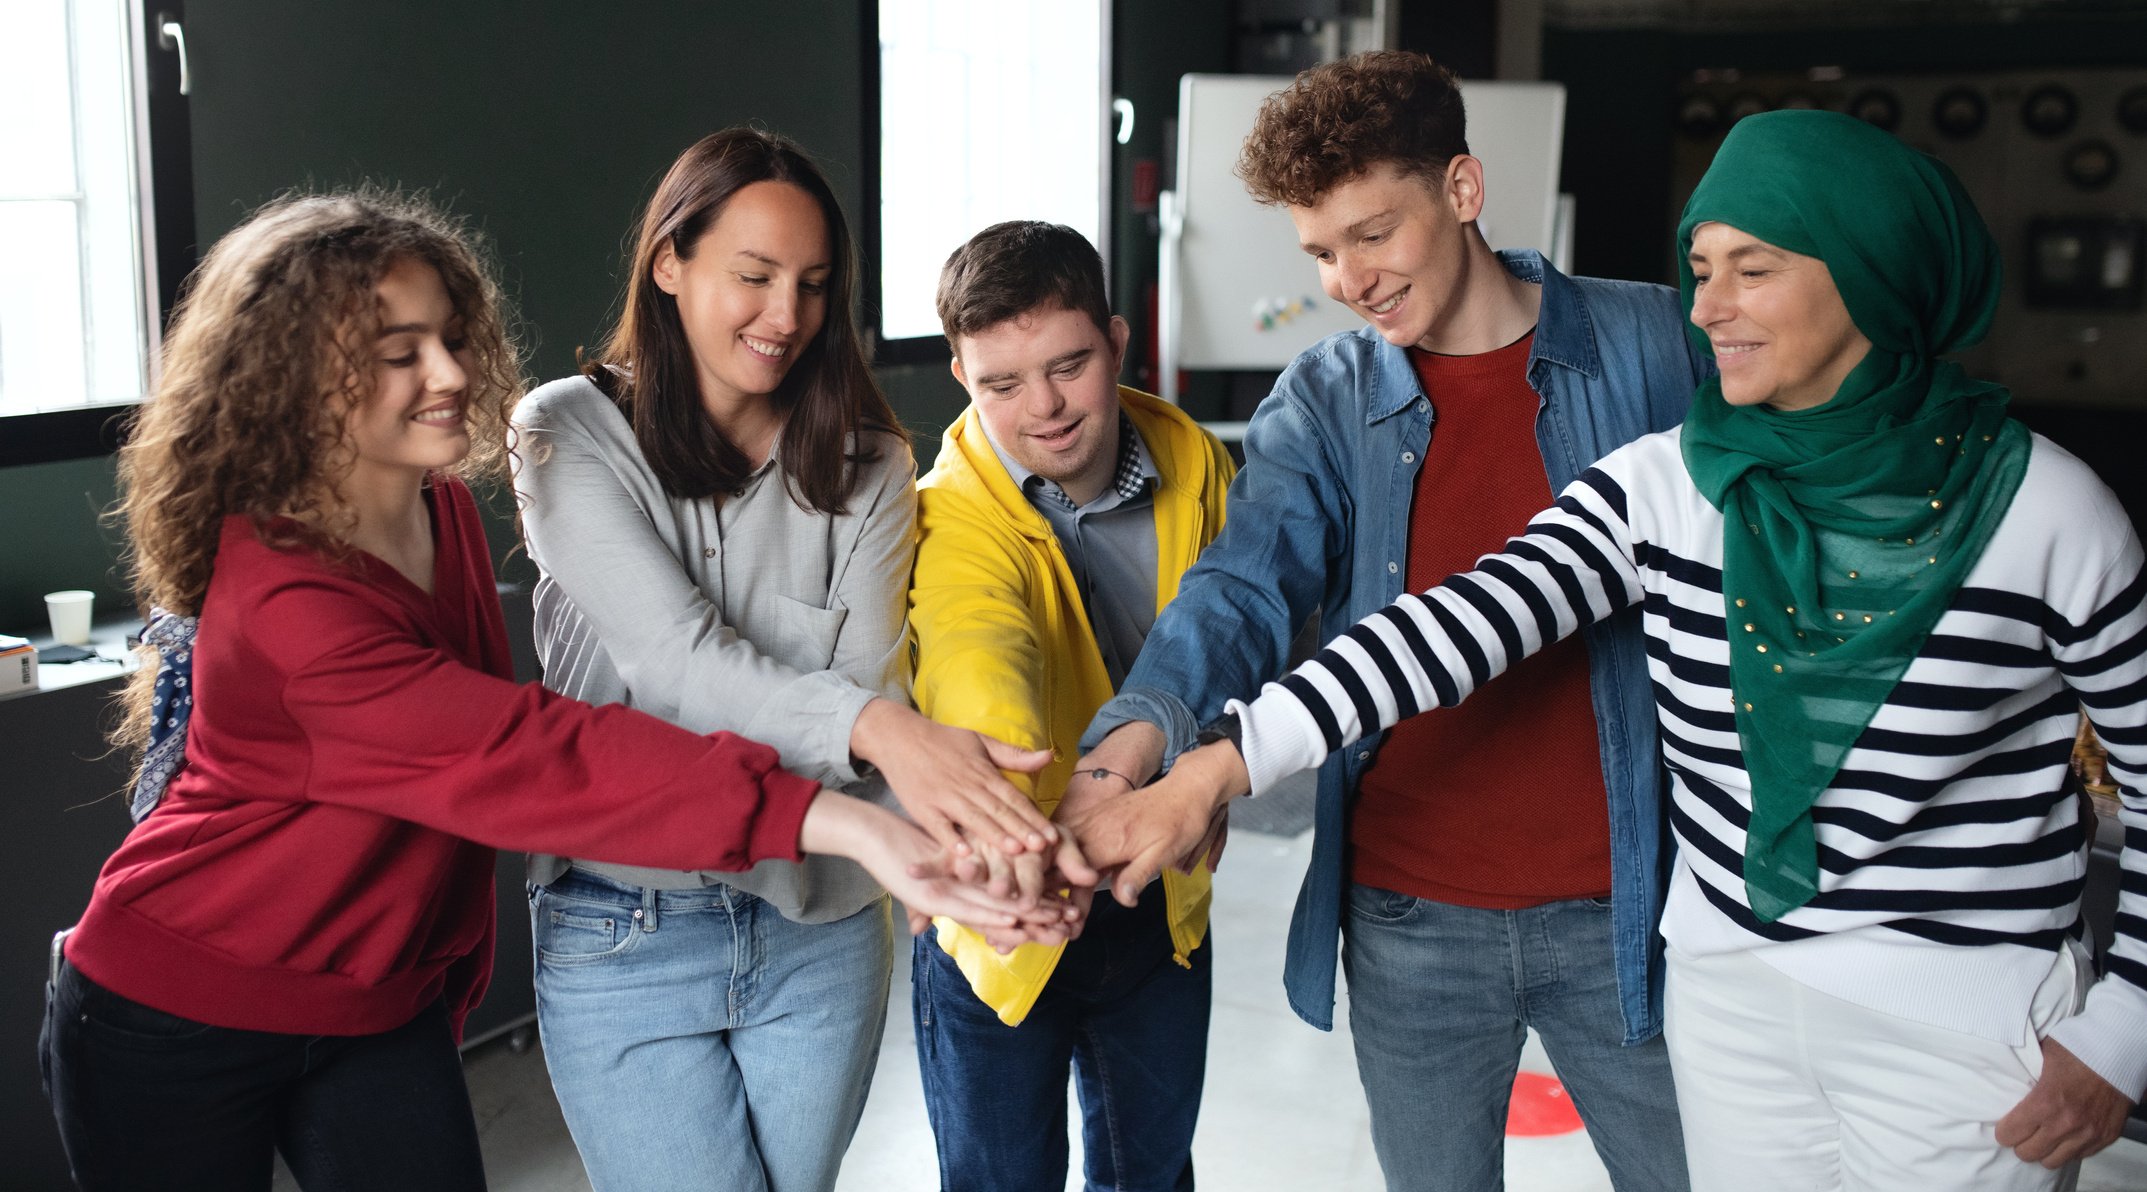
{"x": 721, "y": 507}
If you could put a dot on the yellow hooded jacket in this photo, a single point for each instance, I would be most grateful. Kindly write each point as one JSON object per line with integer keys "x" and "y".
{"x": 1004, "y": 645}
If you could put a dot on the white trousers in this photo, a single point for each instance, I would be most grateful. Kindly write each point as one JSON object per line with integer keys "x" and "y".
{"x": 1786, "y": 1089}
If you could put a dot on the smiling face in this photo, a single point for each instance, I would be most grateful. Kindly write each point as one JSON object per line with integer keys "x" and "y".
{"x": 1781, "y": 334}
{"x": 1045, "y": 385}
{"x": 411, "y": 421}
{"x": 1393, "y": 247}
{"x": 752, "y": 293}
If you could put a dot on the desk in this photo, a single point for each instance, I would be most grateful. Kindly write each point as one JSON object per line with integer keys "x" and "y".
{"x": 66, "y": 815}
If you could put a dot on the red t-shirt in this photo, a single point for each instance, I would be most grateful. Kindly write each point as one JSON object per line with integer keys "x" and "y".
{"x": 1498, "y": 803}
{"x": 312, "y": 868}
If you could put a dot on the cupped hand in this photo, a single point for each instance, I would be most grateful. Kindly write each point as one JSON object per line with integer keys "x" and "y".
{"x": 1139, "y": 832}
{"x": 906, "y": 861}
{"x": 1209, "y": 848}
{"x": 950, "y": 780}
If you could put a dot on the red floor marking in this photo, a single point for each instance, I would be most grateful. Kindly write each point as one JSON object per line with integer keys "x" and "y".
{"x": 1540, "y": 1106}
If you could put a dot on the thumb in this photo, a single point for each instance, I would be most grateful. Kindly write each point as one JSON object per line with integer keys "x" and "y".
{"x": 1007, "y": 757}
{"x": 1072, "y": 865}
{"x": 1135, "y": 877}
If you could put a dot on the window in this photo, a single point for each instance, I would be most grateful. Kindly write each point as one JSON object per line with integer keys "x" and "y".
{"x": 80, "y": 299}
{"x": 72, "y": 313}
{"x": 988, "y": 111}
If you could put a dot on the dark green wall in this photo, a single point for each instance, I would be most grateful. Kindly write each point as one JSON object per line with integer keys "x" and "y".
{"x": 546, "y": 122}
{"x": 54, "y": 539}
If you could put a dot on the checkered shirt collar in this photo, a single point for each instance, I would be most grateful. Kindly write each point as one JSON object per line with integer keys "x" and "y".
{"x": 1130, "y": 480}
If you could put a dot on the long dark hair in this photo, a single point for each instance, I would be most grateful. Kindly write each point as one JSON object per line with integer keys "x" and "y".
{"x": 646, "y": 365}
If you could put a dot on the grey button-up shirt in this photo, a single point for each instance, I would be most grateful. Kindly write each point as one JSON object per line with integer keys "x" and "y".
{"x": 753, "y": 615}
{"x": 1110, "y": 543}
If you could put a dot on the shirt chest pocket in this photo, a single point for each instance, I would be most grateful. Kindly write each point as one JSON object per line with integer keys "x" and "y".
{"x": 803, "y": 636}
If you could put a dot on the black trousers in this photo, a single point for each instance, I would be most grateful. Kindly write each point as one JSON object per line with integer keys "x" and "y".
{"x": 150, "y": 1101}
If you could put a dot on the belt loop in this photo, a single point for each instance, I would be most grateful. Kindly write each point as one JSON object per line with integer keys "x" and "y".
{"x": 646, "y": 916}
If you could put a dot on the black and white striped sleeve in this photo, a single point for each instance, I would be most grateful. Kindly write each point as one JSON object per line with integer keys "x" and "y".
{"x": 2100, "y": 644}
{"x": 1573, "y": 566}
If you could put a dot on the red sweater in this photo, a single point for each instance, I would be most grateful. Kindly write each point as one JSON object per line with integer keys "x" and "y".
{"x": 1498, "y": 803}
{"x": 312, "y": 868}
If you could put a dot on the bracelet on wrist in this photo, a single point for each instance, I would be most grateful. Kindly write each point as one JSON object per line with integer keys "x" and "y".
{"x": 1099, "y": 773}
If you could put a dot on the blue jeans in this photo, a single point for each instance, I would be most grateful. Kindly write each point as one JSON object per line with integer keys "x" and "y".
{"x": 1440, "y": 999}
{"x": 146, "y": 1099}
{"x": 1132, "y": 1024}
{"x": 698, "y": 1039}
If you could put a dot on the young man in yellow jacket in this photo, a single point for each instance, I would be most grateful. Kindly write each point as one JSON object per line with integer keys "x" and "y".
{"x": 1054, "y": 526}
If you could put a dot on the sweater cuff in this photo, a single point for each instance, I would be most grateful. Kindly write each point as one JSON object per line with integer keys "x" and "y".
{"x": 2109, "y": 1035}
{"x": 1280, "y": 737}
{"x": 784, "y": 798}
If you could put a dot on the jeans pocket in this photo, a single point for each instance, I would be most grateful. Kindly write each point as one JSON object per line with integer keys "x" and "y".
{"x": 1374, "y": 905}
{"x": 109, "y": 1017}
{"x": 569, "y": 931}
{"x": 922, "y": 949}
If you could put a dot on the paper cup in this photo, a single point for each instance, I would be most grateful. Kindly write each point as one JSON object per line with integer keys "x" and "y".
{"x": 70, "y": 616}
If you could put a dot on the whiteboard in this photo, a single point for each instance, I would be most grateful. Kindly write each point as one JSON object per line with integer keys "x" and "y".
{"x": 1240, "y": 294}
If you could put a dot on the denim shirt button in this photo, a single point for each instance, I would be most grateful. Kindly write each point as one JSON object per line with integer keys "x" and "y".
{"x": 1408, "y": 457}
{"x": 1364, "y": 755}
{"x": 1393, "y": 568}
{"x": 1422, "y": 405}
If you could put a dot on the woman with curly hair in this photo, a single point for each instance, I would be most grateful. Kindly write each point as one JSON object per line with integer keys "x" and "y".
{"x": 721, "y": 507}
{"x": 281, "y": 954}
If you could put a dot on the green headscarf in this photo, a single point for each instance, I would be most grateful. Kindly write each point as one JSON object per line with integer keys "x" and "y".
{"x": 1847, "y": 526}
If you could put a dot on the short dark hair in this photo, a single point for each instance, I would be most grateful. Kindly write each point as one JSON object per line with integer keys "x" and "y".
{"x": 1010, "y": 269}
{"x": 829, "y": 397}
{"x": 1339, "y": 119}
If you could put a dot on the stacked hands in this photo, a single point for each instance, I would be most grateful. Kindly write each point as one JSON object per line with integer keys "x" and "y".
{"x": 978, "y": 851}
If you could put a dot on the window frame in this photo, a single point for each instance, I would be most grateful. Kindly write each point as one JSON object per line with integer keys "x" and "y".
{"x": 164, "y": 151}
{"x": 934, "y": 349}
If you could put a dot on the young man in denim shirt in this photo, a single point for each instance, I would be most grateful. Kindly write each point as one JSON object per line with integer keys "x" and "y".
{"x": 1497, "y": 867}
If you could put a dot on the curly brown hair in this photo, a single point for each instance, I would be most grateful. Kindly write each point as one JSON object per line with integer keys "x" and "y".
{"x": 269, "y": 349}
{"x": 1339, "y": 119}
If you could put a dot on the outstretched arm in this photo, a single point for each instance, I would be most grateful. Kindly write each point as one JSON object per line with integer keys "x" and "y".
{"x": 1239, "y": 607}
{"x": 1573, "y": 567}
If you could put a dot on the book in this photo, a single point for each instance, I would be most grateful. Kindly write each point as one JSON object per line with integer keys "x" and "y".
{"x": 18, "y": 665}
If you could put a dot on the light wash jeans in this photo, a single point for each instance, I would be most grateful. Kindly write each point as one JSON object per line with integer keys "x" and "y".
{"x": 1440, "y": 999}
{"x": 699, "y": 1040}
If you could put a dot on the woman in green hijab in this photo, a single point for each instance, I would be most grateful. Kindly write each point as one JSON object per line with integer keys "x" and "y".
{"x": 1875, "y": 606}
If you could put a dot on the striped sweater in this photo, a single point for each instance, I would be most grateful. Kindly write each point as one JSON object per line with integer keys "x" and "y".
{"x": 1951, "y": 860}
